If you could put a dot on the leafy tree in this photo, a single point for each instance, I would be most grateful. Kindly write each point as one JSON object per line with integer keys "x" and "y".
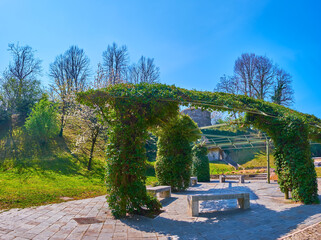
{"x": 201, "y": 166}
{"x": 3, "y": 111}
{"x": 174, "y": 154}
{"x": 42, "y": 124}
{"x": 20, "y": 87}
{"x": 20, "y": 96}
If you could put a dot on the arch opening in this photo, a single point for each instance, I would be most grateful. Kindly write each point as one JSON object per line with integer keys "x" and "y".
{"x": 131, "y": 110}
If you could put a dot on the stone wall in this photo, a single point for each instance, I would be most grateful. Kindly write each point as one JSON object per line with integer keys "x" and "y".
{"x": 201, "y": 117}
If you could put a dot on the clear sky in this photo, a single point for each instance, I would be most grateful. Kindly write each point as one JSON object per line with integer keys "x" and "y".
{"x": 194, "y": 42}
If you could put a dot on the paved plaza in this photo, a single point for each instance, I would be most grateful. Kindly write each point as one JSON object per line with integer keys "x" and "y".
{"x": 269, "y": 217}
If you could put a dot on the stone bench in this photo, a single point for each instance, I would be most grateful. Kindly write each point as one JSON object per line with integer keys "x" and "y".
{"x": 239, "y": 177}
{"x": 193, "y": 181}
{"x": 163, "y": 191}
{"x": 243, "y": 200}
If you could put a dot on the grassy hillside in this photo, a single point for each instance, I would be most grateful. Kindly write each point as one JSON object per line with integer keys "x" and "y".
{"x": 34, "y": 175}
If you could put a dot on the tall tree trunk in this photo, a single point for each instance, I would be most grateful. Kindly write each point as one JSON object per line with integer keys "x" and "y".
{"x": 94, "y": 139}
{"x": 14, "y": 146}
{"x": 62, "y": 119}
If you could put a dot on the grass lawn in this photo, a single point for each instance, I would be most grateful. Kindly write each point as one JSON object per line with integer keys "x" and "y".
{"x": 32, "y": 188}
{"x": 46, "y": 181}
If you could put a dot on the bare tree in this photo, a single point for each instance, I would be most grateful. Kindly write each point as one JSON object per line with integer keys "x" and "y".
{"x": 228, "y": 84}
{"x": 283, "y": 92}
{"x": 264, "y": 77}
{"x": 100, "y": 78}
{"x": 77, "y": 67}
{"x": 245, "y": 70}
{"x": 25, "y": 67}
{"x": 115, "y": 63}
{"x": 70, "y": 73}
{"x": 256, "y": 76}
{"x": 144, "y": 71}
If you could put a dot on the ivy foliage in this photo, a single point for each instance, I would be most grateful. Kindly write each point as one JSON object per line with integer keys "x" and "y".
{"x": 294, "y": 165}
{"x": 131, "y": 110}
{"x": 129, "y": 121}
{"x": 201, "y": 165}
{"x": 174, "y": 152}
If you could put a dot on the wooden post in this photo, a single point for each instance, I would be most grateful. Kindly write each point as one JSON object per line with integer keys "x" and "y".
{"x": 268, "y": 160}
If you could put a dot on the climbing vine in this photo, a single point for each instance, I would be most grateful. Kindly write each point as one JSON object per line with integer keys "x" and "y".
{"x": 201, "y": 166}
{"x": 174, "y": 152}
{"x": 131, "y": 110}
{"x": 294, "y": 165}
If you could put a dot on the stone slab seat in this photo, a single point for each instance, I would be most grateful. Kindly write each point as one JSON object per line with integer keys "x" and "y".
{"x": 243, "y": 200}
{"x": 193, "y": 181}
{"x": 239, "y": 177}
{"x": 163, "y": 191}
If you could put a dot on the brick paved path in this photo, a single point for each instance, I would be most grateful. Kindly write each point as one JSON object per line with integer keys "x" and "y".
{"x": 270, "y": 217}
{"x": 309, "y": 233}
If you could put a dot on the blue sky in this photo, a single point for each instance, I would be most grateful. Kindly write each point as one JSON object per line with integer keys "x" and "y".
{"x": 193, "y": 42}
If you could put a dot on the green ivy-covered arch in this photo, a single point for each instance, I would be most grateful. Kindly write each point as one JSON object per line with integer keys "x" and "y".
{"x": 131, "y": 110}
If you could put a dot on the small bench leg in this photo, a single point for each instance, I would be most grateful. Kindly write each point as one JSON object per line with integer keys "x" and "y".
{"x": 246, "y": 202}
{"x": 240, "y": 202}
{"x": 243, "y": 202}
{"x": 241, "y": 179}
{"x": 222, "y": 179}
{"x": 193, "y": 208}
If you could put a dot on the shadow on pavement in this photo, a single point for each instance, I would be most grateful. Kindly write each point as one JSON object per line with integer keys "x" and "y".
{"x": 258, "y": 222}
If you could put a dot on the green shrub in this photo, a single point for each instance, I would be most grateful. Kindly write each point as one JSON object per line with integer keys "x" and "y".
{"x": 174, "y": 152}
{"x": 42, "y": 124}
{"x": 201, "y": 167}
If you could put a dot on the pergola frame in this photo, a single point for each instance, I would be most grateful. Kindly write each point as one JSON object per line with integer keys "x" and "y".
{"x": 147, "y": 105}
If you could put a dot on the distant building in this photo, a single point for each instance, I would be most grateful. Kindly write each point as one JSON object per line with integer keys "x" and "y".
{"x": 203, "y": 119}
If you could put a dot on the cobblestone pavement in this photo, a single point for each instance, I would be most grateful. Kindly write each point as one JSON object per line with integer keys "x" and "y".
{"x": 309, "y": 233}
{"x": 270, "y": 217}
